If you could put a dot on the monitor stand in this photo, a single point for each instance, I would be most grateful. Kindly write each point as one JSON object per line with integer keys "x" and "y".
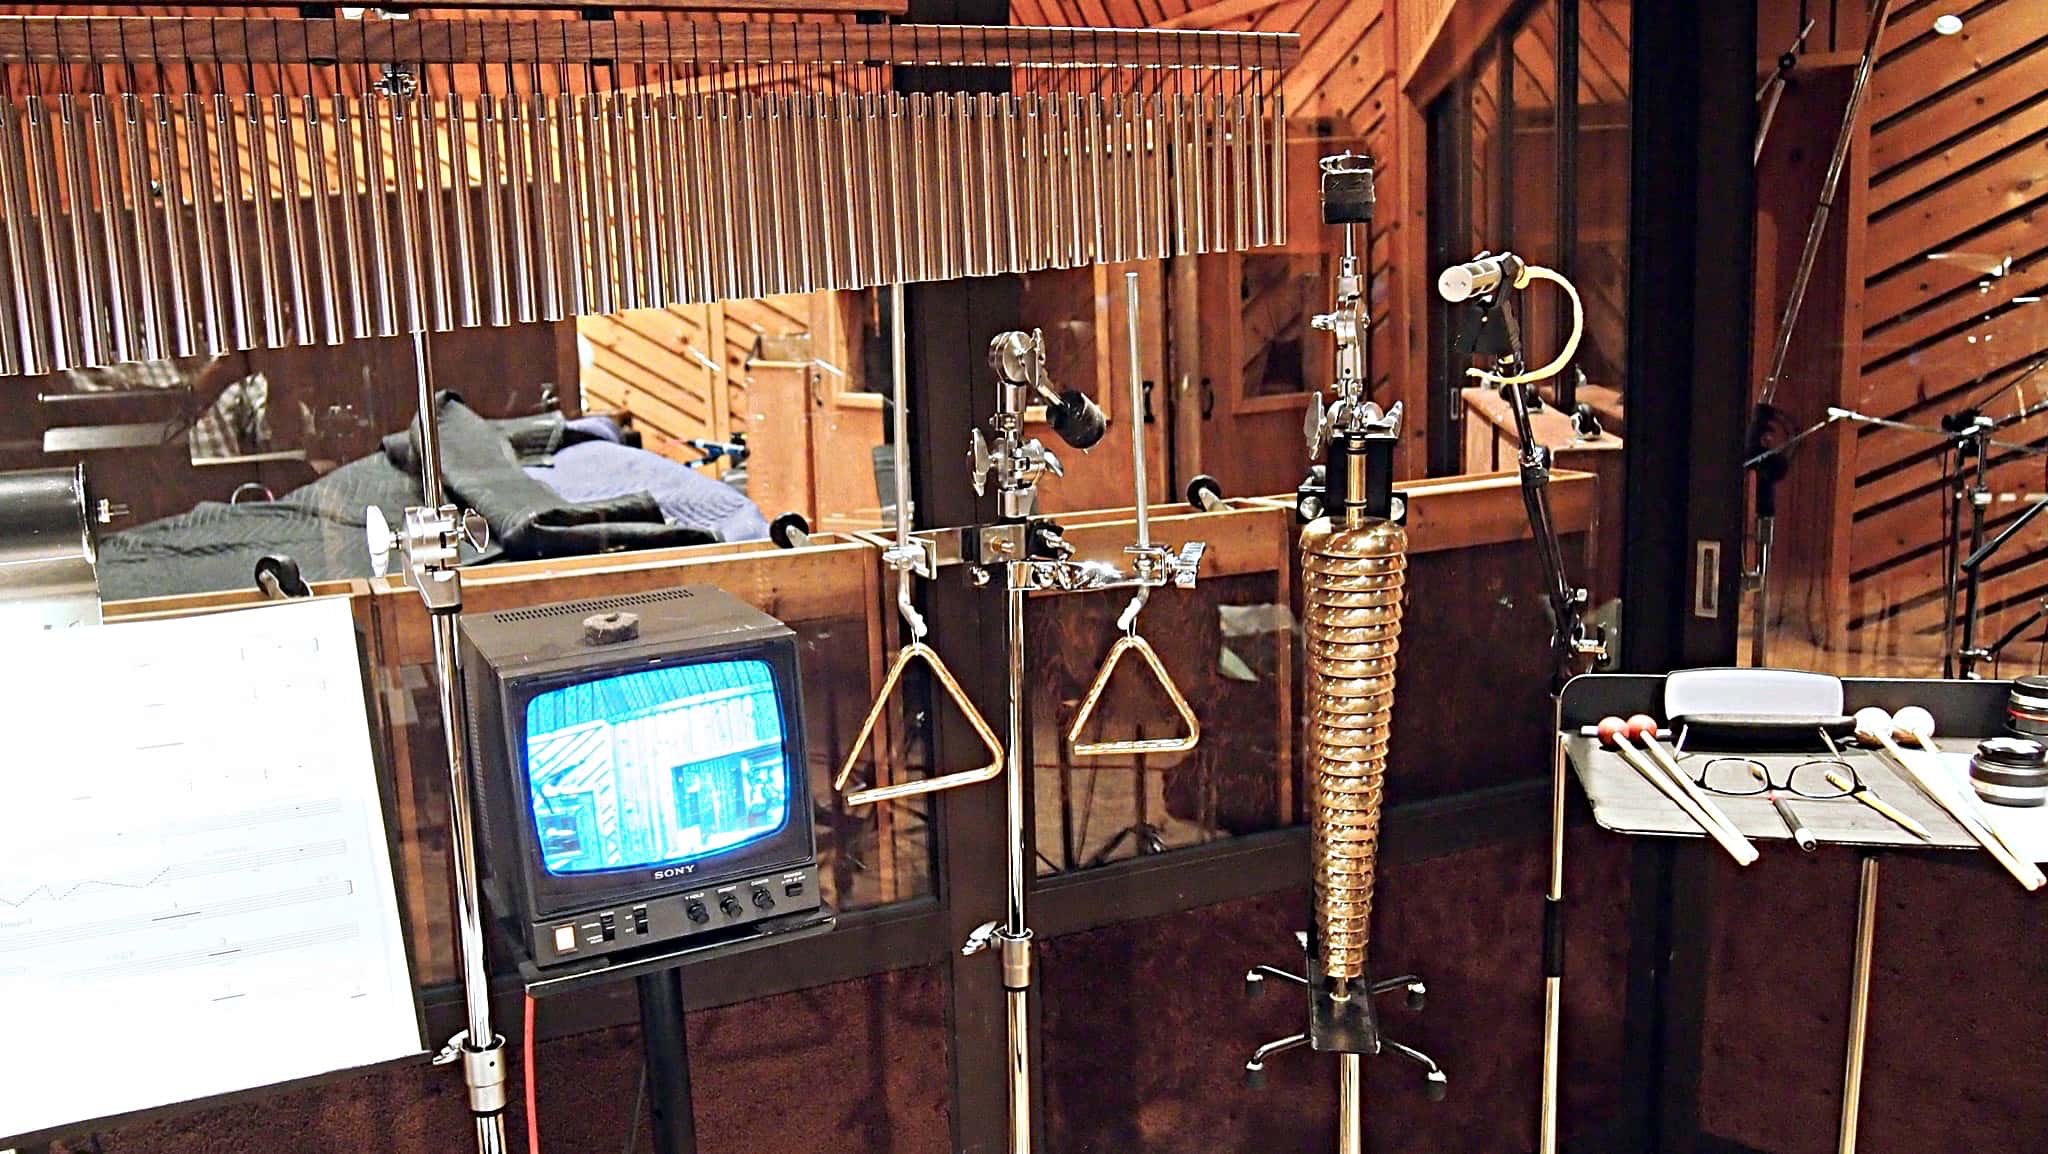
{"x": 658, "y": 980}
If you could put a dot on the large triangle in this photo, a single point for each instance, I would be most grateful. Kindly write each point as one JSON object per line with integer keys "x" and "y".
{"x": 919, "y": 651}
{"x": 1132, "y": 643}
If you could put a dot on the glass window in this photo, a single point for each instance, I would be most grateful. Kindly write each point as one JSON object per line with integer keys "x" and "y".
{"x": 1531, "y": 189}
{"x": 1600, "y": 197}
{"x": 1923, "y": 309}
{"x": 1483, "y": 110}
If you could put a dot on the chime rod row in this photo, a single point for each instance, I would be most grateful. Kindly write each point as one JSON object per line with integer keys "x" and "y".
{"x": 209, "y": 41}
{"x": 779, "y": 7}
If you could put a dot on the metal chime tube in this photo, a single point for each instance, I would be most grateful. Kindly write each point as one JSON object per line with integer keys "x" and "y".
{"x": 602, "y": 196}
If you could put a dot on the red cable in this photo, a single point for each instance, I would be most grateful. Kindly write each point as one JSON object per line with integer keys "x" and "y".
{"x": 526, "y": 1075}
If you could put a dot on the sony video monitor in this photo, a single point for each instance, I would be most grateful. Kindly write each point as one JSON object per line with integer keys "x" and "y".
{"x": 640, "y": 770}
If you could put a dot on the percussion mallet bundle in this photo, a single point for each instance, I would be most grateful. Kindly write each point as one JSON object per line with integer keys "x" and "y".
{"x": 1875, "y": 726}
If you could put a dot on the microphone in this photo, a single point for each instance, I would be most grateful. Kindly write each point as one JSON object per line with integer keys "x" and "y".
{"x": 1477, "y": 277}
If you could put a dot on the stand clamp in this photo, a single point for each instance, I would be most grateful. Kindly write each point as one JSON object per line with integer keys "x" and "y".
{"x": 430, "y": 549}
{"x": 483, "y": 1071}
{"x": 1012, "y": 949}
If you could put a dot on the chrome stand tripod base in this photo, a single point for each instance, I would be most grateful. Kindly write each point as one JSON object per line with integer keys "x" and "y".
{"x": 1350, "y": 1062}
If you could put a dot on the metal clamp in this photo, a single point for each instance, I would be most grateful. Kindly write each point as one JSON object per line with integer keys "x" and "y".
{"x": 483, "y": 1071}
{"x": 430, "y": 547}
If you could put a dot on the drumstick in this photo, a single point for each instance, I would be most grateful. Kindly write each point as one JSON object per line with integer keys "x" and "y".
{"x": 1880, "y": 805}
{"x": 1615, "y": 731}
{"x": 1642, "y": 725}
{"x": 1874, "y": 724}
{"x": 1917, "y": 725}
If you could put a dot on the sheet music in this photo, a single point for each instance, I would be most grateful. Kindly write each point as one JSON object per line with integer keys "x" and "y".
{"x": 196, "y": 892}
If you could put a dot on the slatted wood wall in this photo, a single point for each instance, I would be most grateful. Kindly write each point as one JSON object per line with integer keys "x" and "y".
{"x": 681, "y": 372}
{"x": 1952, "y": 271}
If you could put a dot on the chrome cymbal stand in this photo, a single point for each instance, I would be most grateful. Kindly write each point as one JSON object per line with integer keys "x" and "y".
{"x": 429, "y": 546}
{"x": 1031, "y": 555}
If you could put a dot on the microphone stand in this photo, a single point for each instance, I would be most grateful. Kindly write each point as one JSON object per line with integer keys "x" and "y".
{"x": 1992, "y": 650}
{"x": 1764, "y": 413}
{"x": 1973, "y": 433}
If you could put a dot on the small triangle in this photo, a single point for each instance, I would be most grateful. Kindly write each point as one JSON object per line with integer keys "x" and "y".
{"x": 919, "y": 651}
{"x": 1132, "y": 643}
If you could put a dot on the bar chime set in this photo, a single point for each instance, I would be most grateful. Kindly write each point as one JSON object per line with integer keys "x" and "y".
{"x": 1353, "y": 563}
{"x": 258, "y": 183}
{"x": 1030, "y": 555}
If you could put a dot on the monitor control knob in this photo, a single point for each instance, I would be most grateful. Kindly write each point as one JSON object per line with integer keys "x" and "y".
{"x": 698, "y": 914}
{"x": 763, "y": 900}
{"x": 731, "y": 906}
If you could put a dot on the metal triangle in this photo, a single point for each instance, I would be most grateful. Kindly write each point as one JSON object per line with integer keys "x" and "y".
{"x": 1132, "y": 643}
{"x": 919, "y": 651}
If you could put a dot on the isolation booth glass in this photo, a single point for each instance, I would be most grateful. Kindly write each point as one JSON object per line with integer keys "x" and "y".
{"x": 640, "y": 771}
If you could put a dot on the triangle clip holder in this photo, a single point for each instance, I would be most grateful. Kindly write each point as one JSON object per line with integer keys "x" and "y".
{"x": 1132, "y": 643}
{"x": 919, "y": 651}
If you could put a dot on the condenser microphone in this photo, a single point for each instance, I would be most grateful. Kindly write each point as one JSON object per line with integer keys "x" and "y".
{"x": 1478, "y": 277}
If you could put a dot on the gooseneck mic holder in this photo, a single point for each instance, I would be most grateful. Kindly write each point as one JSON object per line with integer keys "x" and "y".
{"x": 1488, "y": 328}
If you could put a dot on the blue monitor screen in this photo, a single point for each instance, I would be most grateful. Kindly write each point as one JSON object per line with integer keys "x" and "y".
{"x": 656, "y": 767}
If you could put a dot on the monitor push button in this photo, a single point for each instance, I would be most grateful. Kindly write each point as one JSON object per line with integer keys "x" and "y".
{"x": 793, "y": 888}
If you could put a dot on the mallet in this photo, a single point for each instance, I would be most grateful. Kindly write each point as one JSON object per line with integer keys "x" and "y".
{"x": 1875, "y": 725}
{"x": 1614, "y": 731}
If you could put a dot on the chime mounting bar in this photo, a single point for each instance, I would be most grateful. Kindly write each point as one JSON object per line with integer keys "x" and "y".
{"x": 122, "y": 40}
{"x": 778, "y": 7}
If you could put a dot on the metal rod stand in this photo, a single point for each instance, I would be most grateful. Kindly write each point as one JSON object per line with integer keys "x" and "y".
{"x": 1553, "y": 945}
{"x": 663, "y": 1039}
{"x": 1351, "y": 1104}
{"x": 1013, "y": 941}
{"x": 1859, "y": 1005}
{"x": 430, "y": 543}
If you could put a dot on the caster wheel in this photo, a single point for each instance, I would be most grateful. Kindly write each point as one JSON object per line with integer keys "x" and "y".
{"x": 1202, "y": 490}
{"x": 283, "y": 573}
{"x": 1418, "y": 996}
{"x": 1437, "y": 1087}
{"x": 1254, "y": 985}
{"x": 1255, "y": 1077}
{"x": 787, "y": 530}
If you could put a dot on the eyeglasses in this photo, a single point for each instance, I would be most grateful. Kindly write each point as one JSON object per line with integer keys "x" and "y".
{"x": 1821, "y": 779}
